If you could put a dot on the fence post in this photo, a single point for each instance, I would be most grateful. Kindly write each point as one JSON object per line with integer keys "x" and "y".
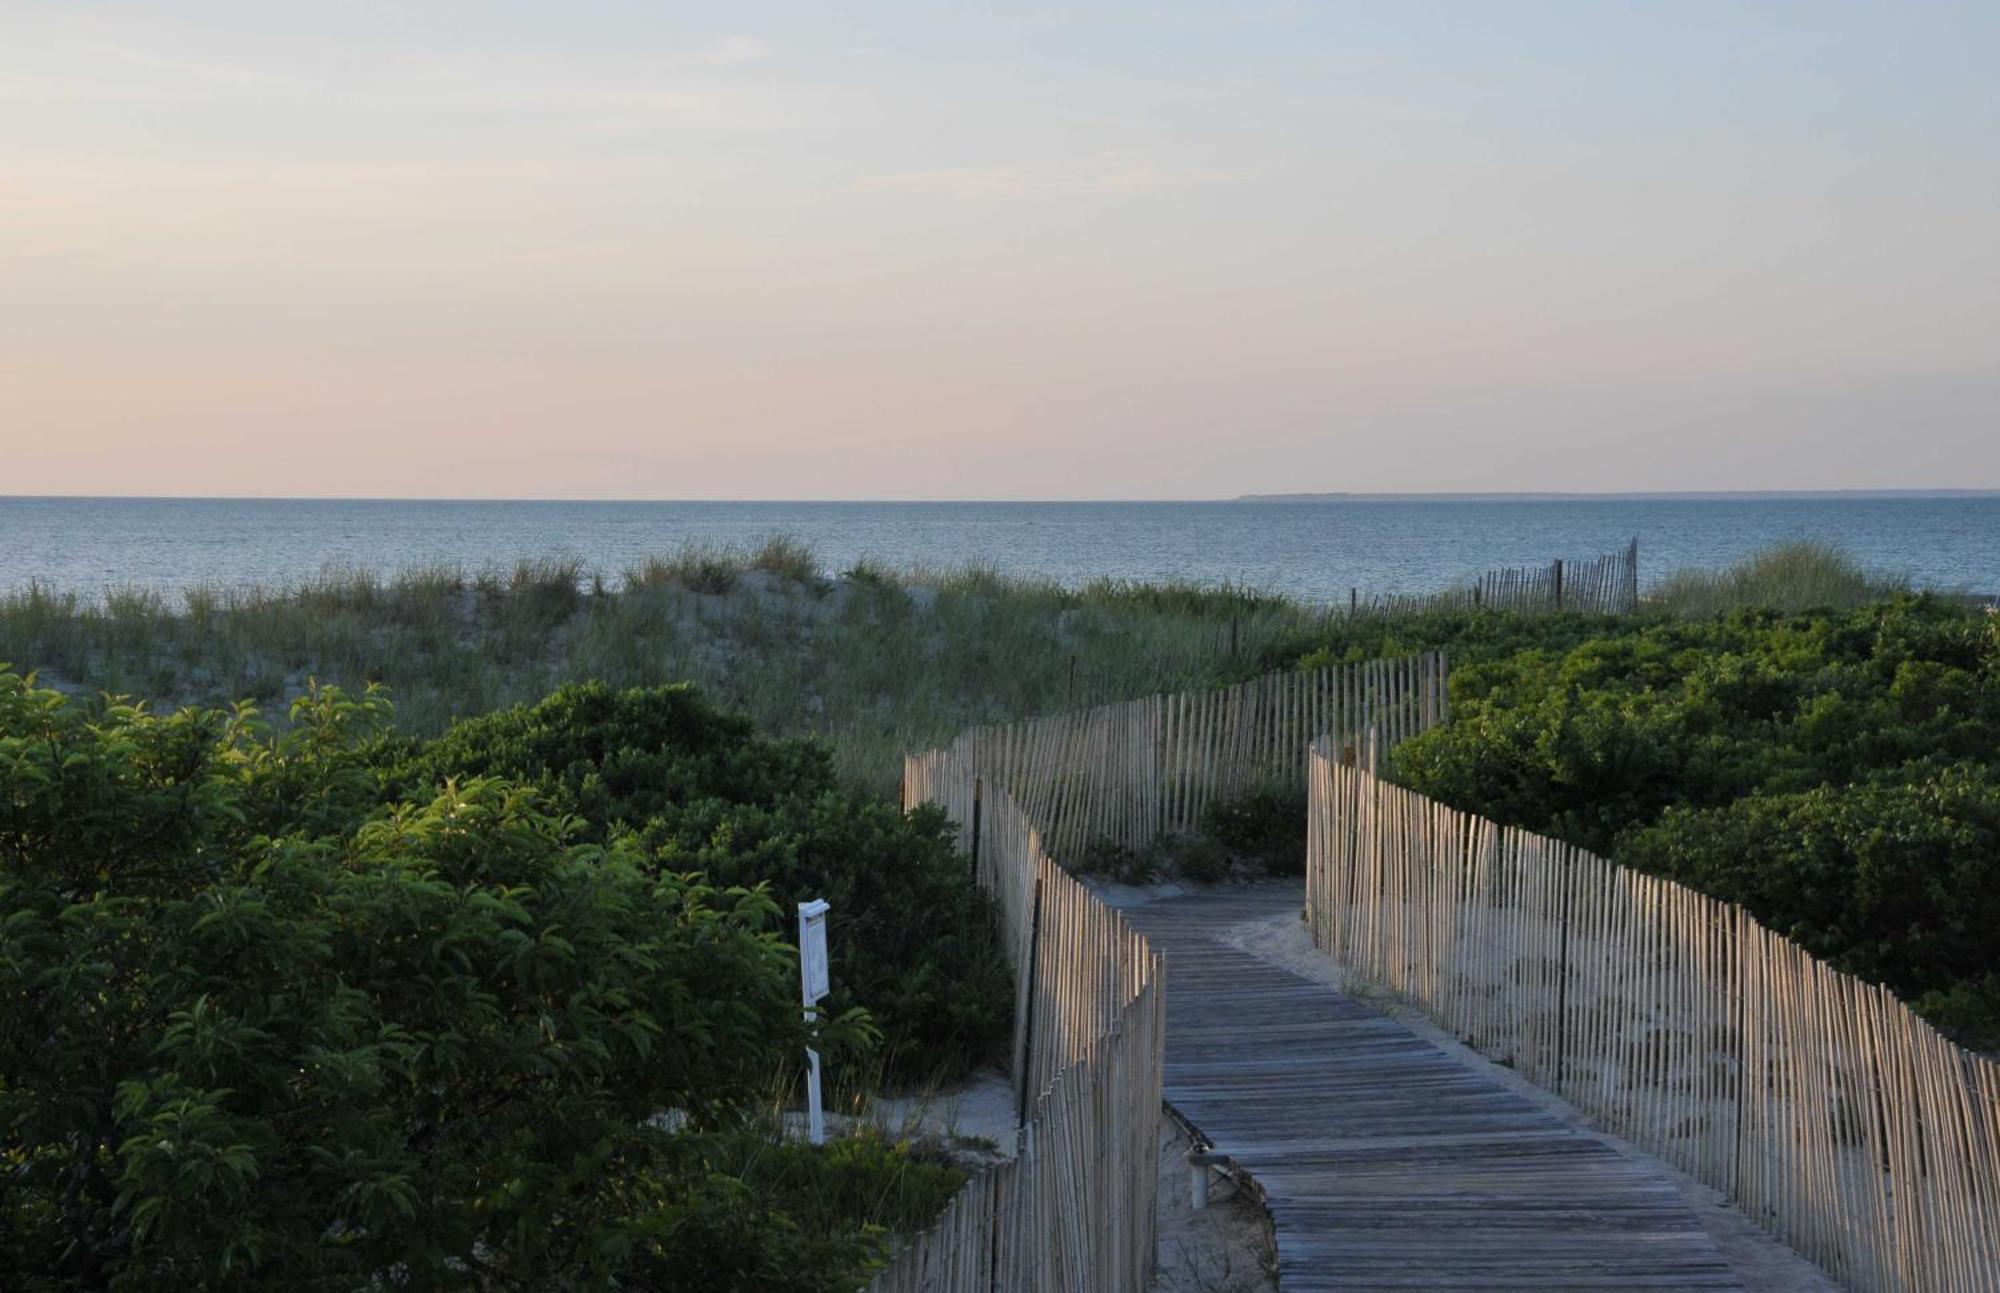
{"x": 1559, "y": 583}
{"x": 1739, "y": 1028}
{"x": 1028, "y": 1025}
{"x": 1353, "y": 601}
{"x": 978, "y": 784}
{"x": 993, "y": 1230}
{"x": 1562, "y": 982}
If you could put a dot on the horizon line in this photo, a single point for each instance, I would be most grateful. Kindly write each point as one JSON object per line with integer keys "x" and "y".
{"x": 1296, "y": 496}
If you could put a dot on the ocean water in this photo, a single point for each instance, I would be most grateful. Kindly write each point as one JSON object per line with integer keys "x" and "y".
{"x": 1315, "y": 550}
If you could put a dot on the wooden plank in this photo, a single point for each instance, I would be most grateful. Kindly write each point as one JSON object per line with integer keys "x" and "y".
{"x": 1386, "y": 1163}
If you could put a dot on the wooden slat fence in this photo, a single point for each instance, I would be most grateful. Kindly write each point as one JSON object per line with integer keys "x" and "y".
{"x": 1606, "y": 585}
{"x": 1827, "y": 1109}
{"x": 1076, "y": 1208}
{"x": 1132, "y": 771}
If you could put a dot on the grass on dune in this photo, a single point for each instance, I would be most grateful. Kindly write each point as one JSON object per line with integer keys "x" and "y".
{"x": 788, "y": 558}
{"x": 1789, "y": 577}
{"x": 879, "y": 660}
{"x": 697, "y": 568}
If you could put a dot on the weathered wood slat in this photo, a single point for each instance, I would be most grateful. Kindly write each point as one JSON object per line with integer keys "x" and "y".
{"x": 1829, "y": 1111}
{"x": 1075, "y": 1210}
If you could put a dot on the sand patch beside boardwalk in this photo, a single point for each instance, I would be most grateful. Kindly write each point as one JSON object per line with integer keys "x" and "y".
{"x": 982, "y": 1108}
{"x": 1226, "y": 1247}
{"x": 1760, "y": 1260}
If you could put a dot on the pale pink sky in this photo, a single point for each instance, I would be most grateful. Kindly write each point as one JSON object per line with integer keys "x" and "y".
{"x": 1101, "y": 250}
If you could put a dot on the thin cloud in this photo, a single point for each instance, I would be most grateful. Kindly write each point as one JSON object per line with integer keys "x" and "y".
{"x": 733, "y": 51}
{"x": 1011, "y": 180}
{"x": 701, "y": 83}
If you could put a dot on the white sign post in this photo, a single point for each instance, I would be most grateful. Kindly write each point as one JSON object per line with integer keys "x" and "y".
{"x": 813, "y": 988}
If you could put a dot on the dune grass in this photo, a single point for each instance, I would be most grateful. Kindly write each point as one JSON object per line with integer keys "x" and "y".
{"x": 697, "y": 568}
{"x": 879, "y": 660}
{"x": 1790, "y": 577}
{"x": 788, "y": 558}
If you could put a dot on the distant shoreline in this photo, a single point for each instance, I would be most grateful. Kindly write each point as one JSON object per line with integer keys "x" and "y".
{"x": 1664, "y": 496}
{"x": 1330, "y": 496}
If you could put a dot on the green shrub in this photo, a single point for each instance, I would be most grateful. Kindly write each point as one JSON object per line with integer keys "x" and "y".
{"x": 699, "y": 792}
{"x": 1590, "y": 740}
{"x": 1194, "y": 858}
{"x": 1897, "y": 881}
{"x": 742, "y": 1212}
{"x": 1787, "y": 762}
{"x": 1266, "y": 828}
{"x": 617, "y": 758}
{"x": 425, "y": 1048}
{"x": 1104, "y": 856}
{"x": 1467, "y": 637}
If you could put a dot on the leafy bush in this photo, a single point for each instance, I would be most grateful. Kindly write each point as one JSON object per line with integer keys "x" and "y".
{"x": 1195, "y": 858}
{"x": 268, "y": 1020}
{"x": 1266, "y": 828}
{"x": 742, "y": 1213}
{"x": 1792, "y": 763}
{"x": 696, "y": 791}
{"x": 1468, "y": 636}
{"x": 1104, "y": 856}
{"x": 1598, "y": 737}
{"x": 1899, "y": 880}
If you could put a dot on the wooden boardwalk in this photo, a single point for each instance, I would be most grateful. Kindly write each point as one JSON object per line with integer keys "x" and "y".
{"x": 1386, "y": 1163}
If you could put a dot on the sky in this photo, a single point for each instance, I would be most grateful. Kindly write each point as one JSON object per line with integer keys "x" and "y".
{"x": 1088, "y": 250}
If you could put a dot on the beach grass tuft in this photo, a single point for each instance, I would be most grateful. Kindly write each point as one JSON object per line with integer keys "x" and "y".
{"x": 788, "y": 558}
{"x": 1789, "y": 577}
{"x": 697, "y": 568}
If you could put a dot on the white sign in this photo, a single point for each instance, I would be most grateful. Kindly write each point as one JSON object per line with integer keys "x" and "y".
{"x": 813, "y": 988}
{"x": 812, "y": 951}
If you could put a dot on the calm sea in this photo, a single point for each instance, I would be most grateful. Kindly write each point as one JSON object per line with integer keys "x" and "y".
{"x": 1313, "y": 550}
